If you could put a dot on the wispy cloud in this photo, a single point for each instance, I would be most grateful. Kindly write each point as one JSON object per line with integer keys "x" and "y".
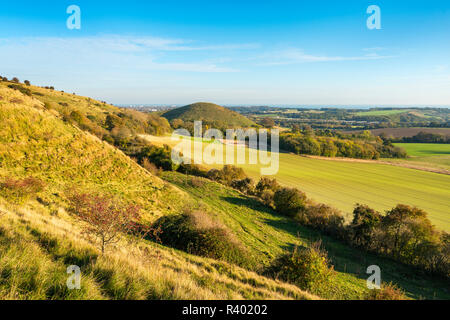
{"x": 374, "y": 49}
{"x": 295, "y": 56}
{"x": 112, "y": 51}
{"x": 440, "y": 68}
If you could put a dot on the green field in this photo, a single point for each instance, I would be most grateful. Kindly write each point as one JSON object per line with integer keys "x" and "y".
{"x": 382, "y": 112}
{"x": 428, "y": 154}
{"x": 425, "y": 149}
{"x": 267, "y": 235}
{"x": 342, "y": 184}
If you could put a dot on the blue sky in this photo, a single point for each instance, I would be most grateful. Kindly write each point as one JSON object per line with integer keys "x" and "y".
{"x": 233, "y": 52}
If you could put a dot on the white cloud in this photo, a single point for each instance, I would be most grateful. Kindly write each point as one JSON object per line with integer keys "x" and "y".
{"x": 109, "y": 52}
{"x": 372, "y": 49}
{"x": 440, "y": 68}
{"x": 294, "y": 56}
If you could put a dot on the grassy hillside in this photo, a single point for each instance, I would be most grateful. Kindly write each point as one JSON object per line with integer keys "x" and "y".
{"x": 268, "y": 235}
{"x": 39, "y": 238}
{"x": 342, "y": 184}
{"x": 36, "y": 142}
{"x": 211, "y": 113}
{"x": 99, "y": 118}
{"x": 36, "y": 248}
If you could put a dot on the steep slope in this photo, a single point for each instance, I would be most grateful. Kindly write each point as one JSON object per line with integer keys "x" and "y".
{"x": 39, "y": 239}
{"x": 36, "y": 249}
{"x": 99, "y": 118}
{"x": 209, "y": 112}
{"x": 36, "y": 142}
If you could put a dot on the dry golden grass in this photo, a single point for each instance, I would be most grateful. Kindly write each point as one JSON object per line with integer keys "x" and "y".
{"x": 35, "y": 142}
{"x": 36, "y": 249}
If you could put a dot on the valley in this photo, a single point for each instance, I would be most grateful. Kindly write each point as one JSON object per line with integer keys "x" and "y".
{"x": 342, "y": 184}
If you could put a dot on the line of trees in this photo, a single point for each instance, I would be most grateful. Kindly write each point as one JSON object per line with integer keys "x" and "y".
{"x": 425, "y": 137}
{"x": 364, "y": 146}
{"x": 403, "y": 233}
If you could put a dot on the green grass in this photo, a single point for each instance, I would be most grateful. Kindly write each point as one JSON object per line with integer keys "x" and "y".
{"x": 39, "y": 239}
{"x": 203, "y": 111}
{"x": 342, "y": 184}
{"x": 382, "y": 112}
{"x": 267, "y": 235}
{"x": 427, "y": 155}
{"x": 35, "y": 142}
{"x": 425, "y": 149}
{"x": 36, "y": 249}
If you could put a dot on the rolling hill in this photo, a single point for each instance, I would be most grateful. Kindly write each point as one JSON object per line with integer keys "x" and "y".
{"x": 39, "y": 237}
{"x": 209, "y": 113}
{"x": 339, "y": 184}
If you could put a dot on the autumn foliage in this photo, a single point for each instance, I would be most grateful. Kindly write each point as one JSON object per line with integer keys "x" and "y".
{"x": 107, "y": 218}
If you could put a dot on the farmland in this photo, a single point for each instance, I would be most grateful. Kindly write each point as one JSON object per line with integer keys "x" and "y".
{"x": 406, "y": 132}
{"x": 428, "y": 155}
{"x": 425, "y": 150}
{"x": 382, "y": 112}
{"x": 267, "y": 234}
{"x": 342, "y": 184}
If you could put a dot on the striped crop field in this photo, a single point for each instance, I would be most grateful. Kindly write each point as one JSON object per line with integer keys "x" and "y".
{"x": 342, "y": 184}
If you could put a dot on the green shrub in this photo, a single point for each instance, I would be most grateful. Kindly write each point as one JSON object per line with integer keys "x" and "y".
{"x": 20, "y": 88}
{"x": 289, "y": 201}
{"x": 266, "y": 184}
{"x": 265, "y": 190}
{"x": 195, "y": 233}
{"x": 308, "y": 268}
{"x": 159, "y": 156}
{"x": 227, "y": 174}
{"x": 245, "y": 185}
{"x": 266, "y": 197}
{"x": 192, "y": 169}
{"x": 324, "y": 218}
{"x": 365, "y": 220}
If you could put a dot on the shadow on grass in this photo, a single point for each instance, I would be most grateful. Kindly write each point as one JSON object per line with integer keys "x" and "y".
{"x": 249, "y": 203}
{"x": 350, "y": 260}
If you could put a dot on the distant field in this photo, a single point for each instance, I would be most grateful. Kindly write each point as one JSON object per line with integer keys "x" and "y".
{"x": 344, "y": 183}
{"x": 428, "y": 155}
{"x": 425, "y": 149}
{"x": 381, "y": 112}
{"x": 406, "y": 132}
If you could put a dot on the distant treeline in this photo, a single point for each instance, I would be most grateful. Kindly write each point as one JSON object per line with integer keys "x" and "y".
{"x": 424, "y": 137}
{"x": 330, "y": 144}
{"x": 348, "y": 119}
